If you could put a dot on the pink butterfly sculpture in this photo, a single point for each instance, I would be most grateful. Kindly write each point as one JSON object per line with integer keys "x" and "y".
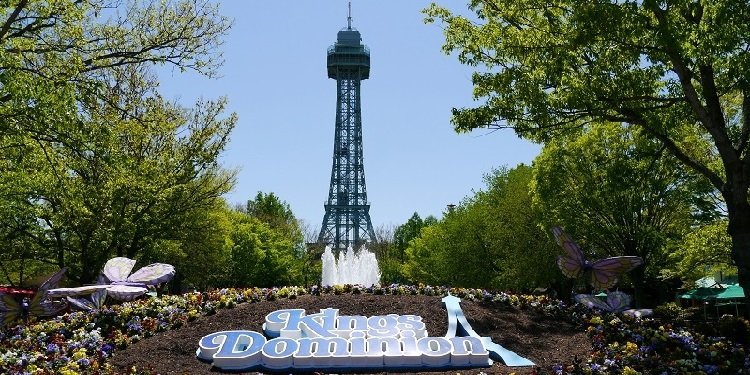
{"x": 602, "y": 274}
{"x": 120, "y": 283}
{"x": 12, "y": 309}
{"x": 616, "y": 302}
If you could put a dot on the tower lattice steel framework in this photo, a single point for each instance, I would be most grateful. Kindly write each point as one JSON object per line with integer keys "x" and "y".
{"x": 347, "y": 218}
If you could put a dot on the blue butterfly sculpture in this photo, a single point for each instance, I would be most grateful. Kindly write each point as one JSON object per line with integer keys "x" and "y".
{"x": 602, "y": 274}
{"x": 13, "y": 308}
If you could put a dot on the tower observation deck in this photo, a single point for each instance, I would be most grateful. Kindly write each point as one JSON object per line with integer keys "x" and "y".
{"x": 347, "y": 212}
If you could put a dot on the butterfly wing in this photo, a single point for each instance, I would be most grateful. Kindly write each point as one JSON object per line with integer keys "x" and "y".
{"x": 95, "y": 302}
{"x": 118, "y": 269}
{"x": 98, "y": 298}
{"x": 10, "y": 309}
{"x": 54, "y": 280}
{"x": 572, "y": 263}
{"x": 618, "y": 301}
{"x": 40, "y": 306}
{"x": 569, "y": 266}
{"x": 605, "y": 272}
{"x": 125, "y": 292}
{"x": 47, "y": 308}
{"x": 153, "y": 274}
{"x": 639, "y": 313}
{"x": 81, "y": 303}
{"x": 592, "y": 302}
{"x": 78, "y": 291}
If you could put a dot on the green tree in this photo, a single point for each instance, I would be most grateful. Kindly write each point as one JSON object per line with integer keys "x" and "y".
{"x": 410, "y": 230}
{"x": 58, "y": 57}
{"x": 704, "y": 251}
{"x": 618, "y": 193}
{"x": 260, "y": 255}
{"x": 392, "y": 261}
{"x": 201, "y": 257}
{"x": 383, "y": 248}
{"x": 136, "y": 184}
{"x": 82, "y": 126}
{"x": 271, "y": 210}
{"x": 425, "y": 257}
{"x": 523, "y": 256}
{"x": 277, "y": 213}
{"x": 492, "y": 239}
{"x": 665, "y": 68}
{"x": 312, "y": 266}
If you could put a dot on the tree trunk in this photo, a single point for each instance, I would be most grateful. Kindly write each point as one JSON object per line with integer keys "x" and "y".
{"x": 739, "y": 230}
{"x": 741, "y": 255}
{"x": 639, "y": 287}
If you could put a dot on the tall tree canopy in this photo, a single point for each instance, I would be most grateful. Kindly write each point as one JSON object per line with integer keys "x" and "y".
{"x": 261, "y": 255}
{"x": 391, "y": 247}
{"x": 703, "y": 252}
{"x": 618, "y": 193}
{"x": 93, "y": 162}
{"x": 277, "y": 214}
{"x": 492, "y": 239}
{"x": 677, "y": 70}
{"x": 271, "y": 210}
{"x": 409, "y": 231}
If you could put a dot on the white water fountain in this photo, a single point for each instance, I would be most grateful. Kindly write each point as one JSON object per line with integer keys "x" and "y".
{"x": 352, "y": 267}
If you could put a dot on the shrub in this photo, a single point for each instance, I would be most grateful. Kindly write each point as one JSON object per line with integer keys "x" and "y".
{"x": 734, "y": 328}
{"x": 669, "y": 311}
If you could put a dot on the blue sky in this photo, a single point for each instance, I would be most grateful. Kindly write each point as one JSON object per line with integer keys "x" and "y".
{"x": 274, "y": 76}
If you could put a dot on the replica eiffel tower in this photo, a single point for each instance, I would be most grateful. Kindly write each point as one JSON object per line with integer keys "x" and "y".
{"x": 346, "y": 222}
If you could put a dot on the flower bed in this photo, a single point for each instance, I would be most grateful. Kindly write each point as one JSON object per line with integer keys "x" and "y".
{"x": 80, "y": 342}
{"x": 625, "y": 345}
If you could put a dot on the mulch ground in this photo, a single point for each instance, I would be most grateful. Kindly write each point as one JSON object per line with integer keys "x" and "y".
{"x": 542, "y": 339}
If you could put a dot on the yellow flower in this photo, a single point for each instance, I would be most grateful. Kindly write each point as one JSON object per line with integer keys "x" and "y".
{"x": 631, "y": 348}
{"x": 70, "y": 369}
{"x": 629, "y": 371}
{"x": 596, "y": 320}
{"x": 80, "y": 353}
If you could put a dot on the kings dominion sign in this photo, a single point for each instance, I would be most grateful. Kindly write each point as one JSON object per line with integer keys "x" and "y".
{"x": 327, "y": 341}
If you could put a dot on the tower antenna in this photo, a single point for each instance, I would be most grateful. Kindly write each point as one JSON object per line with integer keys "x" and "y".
{"x": 349, "y": 19}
